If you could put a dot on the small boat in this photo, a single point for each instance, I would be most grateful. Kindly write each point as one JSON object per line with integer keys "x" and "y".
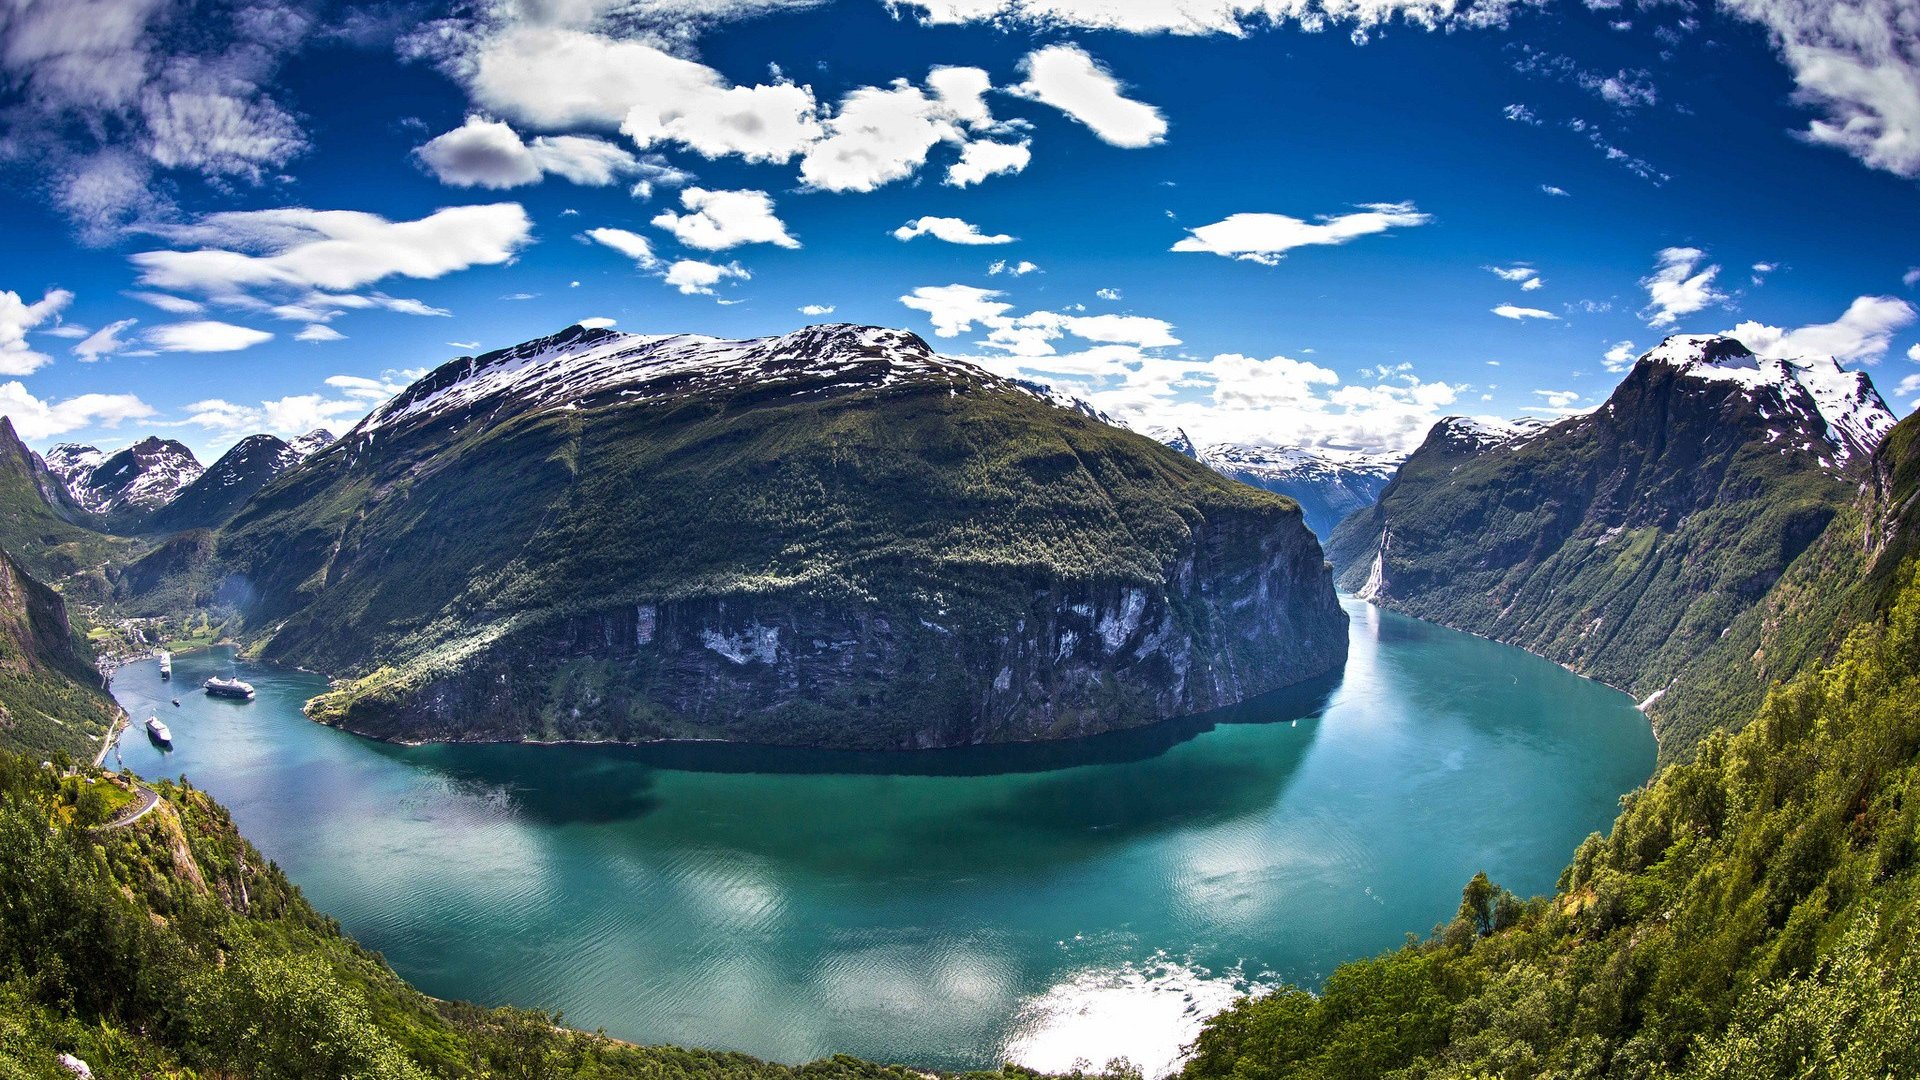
{"x": 158, "y": 732}
{"x": 229, "y": 688}
{"x": 166, "y": 664}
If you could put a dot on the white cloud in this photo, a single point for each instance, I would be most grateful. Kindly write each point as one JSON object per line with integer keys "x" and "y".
{"x": 204, "y": 336}
{"x": 1620, "y": 357}
{"x": 1557, "y": 192}
{"x": 105, "y": 341}
{"x": 1012, "y": 269}
{"x": 1679, "y": 286}
{"x": 718, "y": 220}
{"x": 1266, "y": 238}
{"x": 1911, "y": 277}
{"x": 173, "y": 305}
{"x": 955, "y": 309}
{"x": 816, "y": 309}
{"x": 597, "y": 322}
{"x": 951, "y": 229}
{"x": 1863, "y": 332}
{"x": 318, "y": 332}
{"x": 981, "y": 158}
{"x": 1033, "y": 334}
{"x": 1909, "y": 389}
{"x": 331, "y": 249}
{"x": 490, "y": 154}
{"x": 70, "y": 331}
{"x": 1526, "y": 277}
{"x": 695, "y": 278}
{"x": 16, "y": 318}
{"x": 301, "y": 413}
{"x": 1067, "y": 78}
{"x": 1107, "y": 294}
{"x": 1913, "y": 353}
{"x": 1232, "y": 17}
{"x": 35, "y": 418}
{"x": 882, "y": 134}
{"x": 1510, "y": 311}
{"x": 1859, "y": 61}
{"x": 631, "y": 244}
{"x": 1244, "y": 382}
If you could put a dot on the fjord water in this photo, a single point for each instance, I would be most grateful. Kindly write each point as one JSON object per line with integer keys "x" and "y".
{"x": 945, "y": 909}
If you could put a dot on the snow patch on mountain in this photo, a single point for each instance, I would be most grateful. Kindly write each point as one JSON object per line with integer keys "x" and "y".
{"x": 1485, "y": 433}
{"x": 144, "y": 476}
{"x": 1851, "y": 412}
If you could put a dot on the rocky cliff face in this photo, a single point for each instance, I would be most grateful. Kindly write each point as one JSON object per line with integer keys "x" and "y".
{"x": 1627, "y": 542}
{"x": 51, "y": 698}
{"x": 833, "y": 538}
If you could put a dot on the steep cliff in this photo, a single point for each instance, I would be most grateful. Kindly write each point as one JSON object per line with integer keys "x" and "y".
{"x": 835, "y": 538}
{"x": 1626, "y": 542}
{"x": 51, "y": 698}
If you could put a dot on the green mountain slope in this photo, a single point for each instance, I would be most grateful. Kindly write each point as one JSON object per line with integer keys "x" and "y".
{"x": 51, "y": 700}
{"x": 50, "y": 536}
{"x": 830, "y": 538}
{"x": 1628, "y": 542}
{"x": 1755, "y": 911}
{"x": 171, "y": 949}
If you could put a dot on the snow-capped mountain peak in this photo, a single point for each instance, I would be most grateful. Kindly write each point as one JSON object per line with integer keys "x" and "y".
{"x": 580, "y": 363}
{"x": 1484, "y": 432}
{"x": 311, "y": 443}
{"x": 1850, "y": 409}
{"x": 144, "y": 476}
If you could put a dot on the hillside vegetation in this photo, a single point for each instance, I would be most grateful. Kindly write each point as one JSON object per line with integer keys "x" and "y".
{"x": 1754, "y": 912}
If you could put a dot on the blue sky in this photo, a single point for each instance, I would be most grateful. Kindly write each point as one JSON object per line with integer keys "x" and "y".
{"x": 1290, "y": 221}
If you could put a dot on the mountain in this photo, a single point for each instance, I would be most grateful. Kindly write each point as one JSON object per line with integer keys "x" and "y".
{"x": 170, "y": 948}
{"x": 835, "y": 537}
{"x": 39, "y": 525}
{"x": 218, "y": 493}
{"x": 1328, "y": 484}
{"x": 1753, "y": 911}
{"x": 1625, "y": 542}
{"x": 51, "y": 697}
{"x": 128, "y": 483}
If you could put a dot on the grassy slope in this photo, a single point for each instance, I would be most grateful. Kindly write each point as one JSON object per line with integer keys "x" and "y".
{"x": 1755, "y": 911}
{"x": 908, "y": 495}
{"x": 51, "y": 702}
{"x": 172, "y": 949}
{"x": 1625, "y": 544}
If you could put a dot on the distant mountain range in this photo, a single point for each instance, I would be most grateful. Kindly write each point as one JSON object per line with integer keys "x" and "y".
{"x": 1626, "y": 542}
{"x": 157, "y": 485}
{"x": 1328, "y": 484}
{"x": 833, "y": 537}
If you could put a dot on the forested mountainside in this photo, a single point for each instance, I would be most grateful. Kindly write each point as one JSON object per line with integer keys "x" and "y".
{"x": 169, "y": 948}
{"x": 49, "y": 535}
{"x": 1754, "y": 912}
{"x": 835, "y": 537}
{"x": 1628, "y": 541}
{"x": 214, "y": 496}
{"x": 52, "y": 700}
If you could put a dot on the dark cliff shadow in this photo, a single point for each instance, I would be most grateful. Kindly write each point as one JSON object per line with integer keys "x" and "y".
{"x": 601, "y": 783}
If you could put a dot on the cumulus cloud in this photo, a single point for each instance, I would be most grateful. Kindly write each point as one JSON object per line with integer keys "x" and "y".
{"x": 1620, "y": 356}
{"x": 1859, "y": 62}
{"x": 1679, "y": 285}
{"x": 816, "y": 309}
{"x": 248, "y": 250}
{"x": 631, "y": 244}
{"x": 16, "y": 318}
{"x": 1067, "y": 78}
{"x": 35, "y": 418}
{"x": 1012, "y": 269}
{"x": 951, "y": 229}
{"x": 204, "y": 336}
{"x": 955, "y": 309}
{"x": 695, "y": 278}
{"x": 1556, "y": 191}
{"x": 1510, "y": 311}
{"x": 718, "y": 220}
{"x": 1862, "y": 333}
{"x": 105, "y": 341}
{"x": 490, "y": 154}
{"x": 1266, "y": 238}
{"x": 981, "y": 158}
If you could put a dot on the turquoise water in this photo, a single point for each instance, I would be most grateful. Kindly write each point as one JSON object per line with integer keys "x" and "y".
{"x": 944, "y": 909}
